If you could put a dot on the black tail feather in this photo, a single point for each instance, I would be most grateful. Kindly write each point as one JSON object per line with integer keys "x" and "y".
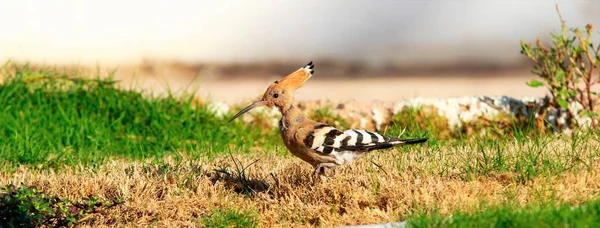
{"x": 413, "y": 141}
{"x": 394, "y": 142}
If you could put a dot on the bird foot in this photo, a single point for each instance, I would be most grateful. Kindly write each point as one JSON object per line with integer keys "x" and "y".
{"x": 321, "y": 168}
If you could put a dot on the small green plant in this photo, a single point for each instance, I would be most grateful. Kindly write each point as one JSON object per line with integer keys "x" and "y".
{"x": 25, "y": 206}
{"x": 231, "y": 218}
{"x": 567, "y": 69}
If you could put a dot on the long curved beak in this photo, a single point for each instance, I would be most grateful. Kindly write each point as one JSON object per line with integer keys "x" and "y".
{"x": 248, "y": 108}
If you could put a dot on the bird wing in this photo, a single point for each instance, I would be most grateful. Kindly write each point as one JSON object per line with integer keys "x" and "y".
{"x": 326, "y": 139}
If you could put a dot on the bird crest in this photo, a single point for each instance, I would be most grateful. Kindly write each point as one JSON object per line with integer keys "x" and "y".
{"x": 296, "y": 79}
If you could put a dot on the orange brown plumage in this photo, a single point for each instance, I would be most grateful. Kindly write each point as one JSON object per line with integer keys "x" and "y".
{"x": 321, "y": 145}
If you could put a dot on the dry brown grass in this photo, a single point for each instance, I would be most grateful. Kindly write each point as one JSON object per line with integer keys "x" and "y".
{"x": 410, "y": 180}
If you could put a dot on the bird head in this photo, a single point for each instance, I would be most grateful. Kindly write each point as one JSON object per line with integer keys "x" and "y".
{"x": 281, "y": 93}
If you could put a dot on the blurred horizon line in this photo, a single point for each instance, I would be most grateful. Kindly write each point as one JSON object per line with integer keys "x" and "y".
{"x": 326, "y": 68}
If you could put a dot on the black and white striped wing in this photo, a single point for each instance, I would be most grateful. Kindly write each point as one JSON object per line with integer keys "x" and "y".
{"x": 348, "y": 145}
{"x": 327, "y": 139}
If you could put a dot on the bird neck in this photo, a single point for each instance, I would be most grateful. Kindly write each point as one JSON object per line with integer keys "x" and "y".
{"x": 291, "y": 116}
{"x": 287, "y": 109}
{"x": 284, "y": 108}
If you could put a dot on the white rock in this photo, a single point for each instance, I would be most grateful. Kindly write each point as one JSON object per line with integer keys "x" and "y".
{"x": 378, "y": 118}
{"x": 218, "y": 108}
{"x": 363, "y": 122}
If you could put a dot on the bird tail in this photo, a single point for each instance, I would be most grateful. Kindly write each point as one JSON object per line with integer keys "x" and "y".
{"x": 407, "y": 141}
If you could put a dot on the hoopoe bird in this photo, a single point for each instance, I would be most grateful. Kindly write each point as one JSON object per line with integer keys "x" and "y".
{"x": 321, "y": 145}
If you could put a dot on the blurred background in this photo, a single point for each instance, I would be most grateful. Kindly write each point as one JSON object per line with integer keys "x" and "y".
{"x": 231, "y": 50}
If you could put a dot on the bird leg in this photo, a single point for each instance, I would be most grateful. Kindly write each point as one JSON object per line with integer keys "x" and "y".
{"x": 320, "y": 168}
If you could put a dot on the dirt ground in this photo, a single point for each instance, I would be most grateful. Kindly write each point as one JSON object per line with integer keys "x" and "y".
{"x": 284, "y": 194}
{"x": 362, "y": 89}
{"x": 382, "y": 89}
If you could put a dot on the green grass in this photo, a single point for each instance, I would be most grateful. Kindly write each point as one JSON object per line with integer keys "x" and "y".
{"x": 231, "y": 218}
{"x": 55, "y": 120}
{"x": 541, "y": 215}
{"x": 52, "y": 119}
{"x": 509, "y": 145}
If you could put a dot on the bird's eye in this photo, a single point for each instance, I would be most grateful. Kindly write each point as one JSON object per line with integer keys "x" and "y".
{"x": 276, "y": 95}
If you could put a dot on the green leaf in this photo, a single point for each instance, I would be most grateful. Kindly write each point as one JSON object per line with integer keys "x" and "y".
{"x": 560, "y": 75}
{"x": 563, "y": 92}
{"x": 525, "y": 49}
{"x": 534, "y": 83}
{"x": 590, "y": 113}
{"x": 562, "y": 102}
